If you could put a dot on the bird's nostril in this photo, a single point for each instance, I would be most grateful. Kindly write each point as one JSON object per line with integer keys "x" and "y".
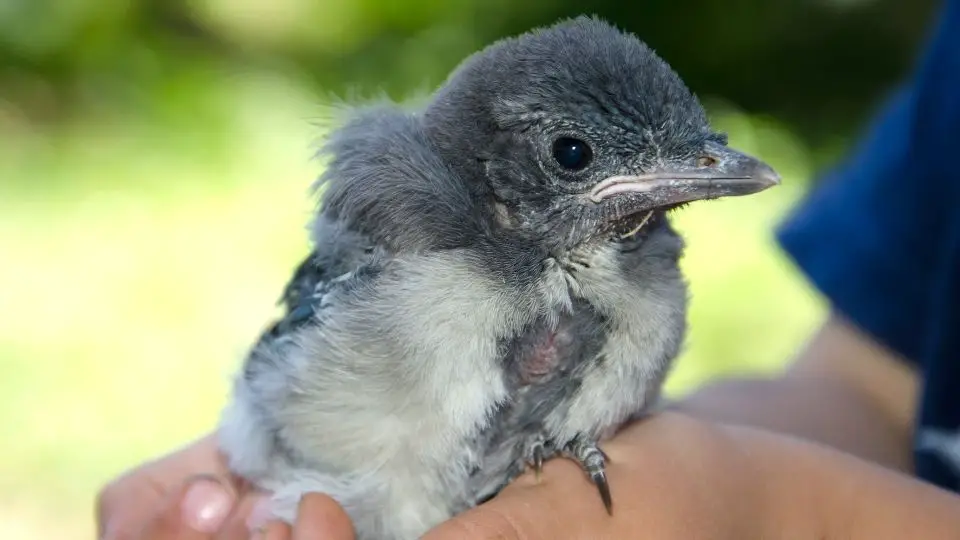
{"x": 706, "y": 161}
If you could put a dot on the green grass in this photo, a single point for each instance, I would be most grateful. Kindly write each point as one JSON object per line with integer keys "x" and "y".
{"x": 136, "y": 268}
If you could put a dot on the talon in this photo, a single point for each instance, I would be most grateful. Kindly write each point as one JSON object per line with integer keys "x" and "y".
{"x": 538, "y": 450}
{"x": 537, "y": 461}
{"x": 593, "y": 460}
{"x": 600, "y": 480}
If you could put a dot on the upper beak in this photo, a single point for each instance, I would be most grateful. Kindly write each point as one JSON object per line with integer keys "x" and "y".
{"x": 726, "y": 173}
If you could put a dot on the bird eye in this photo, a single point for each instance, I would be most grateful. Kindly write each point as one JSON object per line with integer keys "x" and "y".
{"x": 572, "y": 154}
{"x": 706, "y": 161}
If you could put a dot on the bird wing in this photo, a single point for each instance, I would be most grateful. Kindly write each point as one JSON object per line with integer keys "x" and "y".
{"x": 337, "y": 255}
{"x": 302, "y": 296}
{"x": 349, "y": 393}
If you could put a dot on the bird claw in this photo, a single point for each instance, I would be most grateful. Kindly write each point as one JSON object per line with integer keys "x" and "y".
{"x": 582, "y": 450}
{"x": 537, "y": 460}
{"x": 537, "y": 453}
{"x": 593, "y": 460}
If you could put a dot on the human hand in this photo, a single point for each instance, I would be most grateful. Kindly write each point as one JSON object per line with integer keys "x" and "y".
{"x": 672, "y": 477}
{"x": 186, "y": 494}
{"x": 319, "y": 518}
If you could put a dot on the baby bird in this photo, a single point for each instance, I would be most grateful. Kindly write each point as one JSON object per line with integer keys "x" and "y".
{"x": 494, "y": 282}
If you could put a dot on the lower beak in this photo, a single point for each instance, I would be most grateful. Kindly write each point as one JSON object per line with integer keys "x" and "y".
{"x": 726, "y": 173}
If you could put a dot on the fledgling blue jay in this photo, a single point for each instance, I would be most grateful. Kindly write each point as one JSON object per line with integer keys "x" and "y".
{"x": 494, "y": 282}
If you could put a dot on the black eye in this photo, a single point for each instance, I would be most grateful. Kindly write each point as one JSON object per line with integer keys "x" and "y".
{"x": 571, "y": 153}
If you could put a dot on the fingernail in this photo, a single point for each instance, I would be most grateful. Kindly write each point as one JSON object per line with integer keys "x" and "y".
{"x": 206, "y": 506}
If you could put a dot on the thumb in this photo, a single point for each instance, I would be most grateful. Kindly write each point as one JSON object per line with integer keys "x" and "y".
{"x": 320, "y": 516}
{"x": 194, "y": 511}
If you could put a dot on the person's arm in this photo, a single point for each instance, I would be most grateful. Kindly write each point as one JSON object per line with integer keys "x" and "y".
{"x": 680, "y": 478}
{"x": 844, "y": 497}
{"x": 675, "y": 477}
{"x": 877, "y": 238}
{"x": 844, "y": 390}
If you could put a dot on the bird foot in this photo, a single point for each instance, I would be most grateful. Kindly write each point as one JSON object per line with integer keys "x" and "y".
{"x": 539, "y": 450}
{"x": 593, "y": 461}
{"x": 582, "y": 450}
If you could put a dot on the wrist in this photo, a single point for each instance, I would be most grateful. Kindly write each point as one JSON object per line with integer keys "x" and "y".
{"x": 813, "y": 491}
{"x": 793, "y": 494}
{"x": 747, "y": 484}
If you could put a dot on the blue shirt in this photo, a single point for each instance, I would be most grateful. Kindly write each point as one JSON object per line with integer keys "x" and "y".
{"x": 880, "y": 237}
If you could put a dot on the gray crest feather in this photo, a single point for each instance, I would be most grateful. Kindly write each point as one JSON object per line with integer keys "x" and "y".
{"x": 386, "y": 180}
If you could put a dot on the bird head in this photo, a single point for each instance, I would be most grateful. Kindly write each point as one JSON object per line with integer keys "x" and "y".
{"x": 579, "y": 132}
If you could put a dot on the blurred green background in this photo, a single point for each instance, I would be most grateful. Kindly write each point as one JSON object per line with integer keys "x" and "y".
{"x": 154, "y": 164}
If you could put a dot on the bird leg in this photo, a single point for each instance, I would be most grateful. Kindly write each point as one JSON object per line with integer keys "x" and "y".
{"x": 582, "y": 450}
{"x": 593, "y": 460}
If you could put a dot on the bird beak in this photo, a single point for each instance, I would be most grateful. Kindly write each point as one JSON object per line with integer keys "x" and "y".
{"x": 724, "y": 172}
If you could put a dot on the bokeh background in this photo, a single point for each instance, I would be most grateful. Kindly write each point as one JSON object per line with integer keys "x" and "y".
{"x": 155, "y": 157}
